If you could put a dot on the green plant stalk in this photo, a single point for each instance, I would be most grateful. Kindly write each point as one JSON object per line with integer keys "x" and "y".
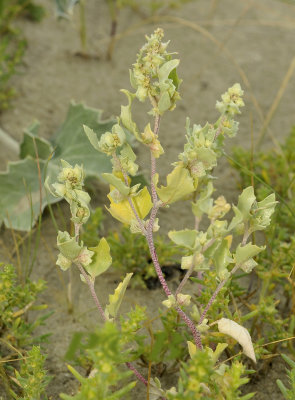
{"x": 113, "y": 10}
{"x": 83, "y": 34}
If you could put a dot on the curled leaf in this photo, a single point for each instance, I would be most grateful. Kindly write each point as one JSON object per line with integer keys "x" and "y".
{"x": 240, "y": 334}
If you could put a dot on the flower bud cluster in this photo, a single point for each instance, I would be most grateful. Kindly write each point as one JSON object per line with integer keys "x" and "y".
{"x": 110, "y": 141}
{"x": 151, "y": 77}
{"x": 199, "y": 154}
{"x": 128, "y": 164}
{"x": 151, "y": 56}
{"x": 71, "y": 189}
{"x": 220, "y": 208}
{"x": 151, "y": 140}
{"x": 231, "y": 101}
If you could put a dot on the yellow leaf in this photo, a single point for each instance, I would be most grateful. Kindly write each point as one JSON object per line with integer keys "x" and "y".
{"x": 123, "y": 212}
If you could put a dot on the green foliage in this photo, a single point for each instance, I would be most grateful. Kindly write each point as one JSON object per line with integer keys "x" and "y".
{"x": 288, "y": 393}
{"x": 273, "y": 171}
{"x": 20, "y": 185}
{"x": 16, "y": 335}
{"x": 15, "y": 301}
{"x": 200, "y": 379}
{"x": 214, "y": 252}
{"x": 12, "y": 44}
{"x": 32, "y": 378}
{"x": 12, "y": 47}
{"x": 104, "y": 350}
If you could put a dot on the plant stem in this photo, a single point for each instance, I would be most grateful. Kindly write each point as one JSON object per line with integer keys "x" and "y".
{"x": 186, "y": 319}
{"x": 192, "y": 327}
{"x": 136, "y": 373}
{"x": 191, "y": 268}
{"x": 92, "y": 291}
{"x": 217, "y": 290}
{"x": 99, "y": 307}
{"x": 150, "y": 240}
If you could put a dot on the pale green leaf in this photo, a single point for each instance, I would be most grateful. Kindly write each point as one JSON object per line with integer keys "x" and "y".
{"x": 167, "y": 68}
{"x": 92, "y": 137}
{"x": 68, "y": 245}
{"x": 246, "y": 200}
{"x": 117, "y": 183}
{"x": 101, "y": 260}
{"x": 127, "y": 152}
{"x": 179, "y": 185}
{"x": 218, "y": 351}
{"x": 222, "y": 258}
{"x": 126, "y": 115}
{"x": 207, "y": 157}
{"x": 237, "y": 219}
{"x": 243, "y": 253}
{"x": 192, "y": 348}
{"x": 123, "y": 212}
{"x": 20, "y": 184}
{"x": 42, "y": 146}
{"x": 185, "y": 238}
{"x": 205, "y": 202}
{"x": 164, "y": 103}
{"x": 115, "y": 299}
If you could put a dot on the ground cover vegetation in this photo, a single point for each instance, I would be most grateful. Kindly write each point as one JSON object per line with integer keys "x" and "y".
{"x": 226, "y": 319}
{"x": 193, "y": 325}
{"x": 13, "y": 43}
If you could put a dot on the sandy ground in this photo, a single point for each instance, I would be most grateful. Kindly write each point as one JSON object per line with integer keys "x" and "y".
{"x": 219, "y": 43}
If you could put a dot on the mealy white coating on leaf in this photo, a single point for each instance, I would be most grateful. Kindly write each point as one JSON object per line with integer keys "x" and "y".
{"x": 239, "y": 333}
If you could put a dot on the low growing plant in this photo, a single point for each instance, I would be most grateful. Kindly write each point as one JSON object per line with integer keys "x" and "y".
{"x": 274, "y": 171}
{"x": 12, "y": 43}
{"x": 195, "y": 325}
{"x": 288, "y": 394}
{"x": 16, "y": 330}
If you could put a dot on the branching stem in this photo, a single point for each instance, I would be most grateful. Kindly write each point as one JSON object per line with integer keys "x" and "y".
{"x": 217, "y": 290}
{"x": 191, "y": 268}
{"x": 99, "y": 307}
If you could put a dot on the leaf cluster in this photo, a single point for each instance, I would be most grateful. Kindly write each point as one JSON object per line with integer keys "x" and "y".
{"x": 16, "y": 300}
{"x": 273, "y": 171}
{"x": 214, "y": 251}
{"x": 104, "y": 349}
{"x": 288, "y": 393}
{"x": 13, "y": 44}
{"x": 31, "y": 378}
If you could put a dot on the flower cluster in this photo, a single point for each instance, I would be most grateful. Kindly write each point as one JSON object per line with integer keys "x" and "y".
{"x": 231, "y": 101}
{"x": 154, "y": 74}
{"x": 110, "y": 141}
{"x": 70, "y": 187}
